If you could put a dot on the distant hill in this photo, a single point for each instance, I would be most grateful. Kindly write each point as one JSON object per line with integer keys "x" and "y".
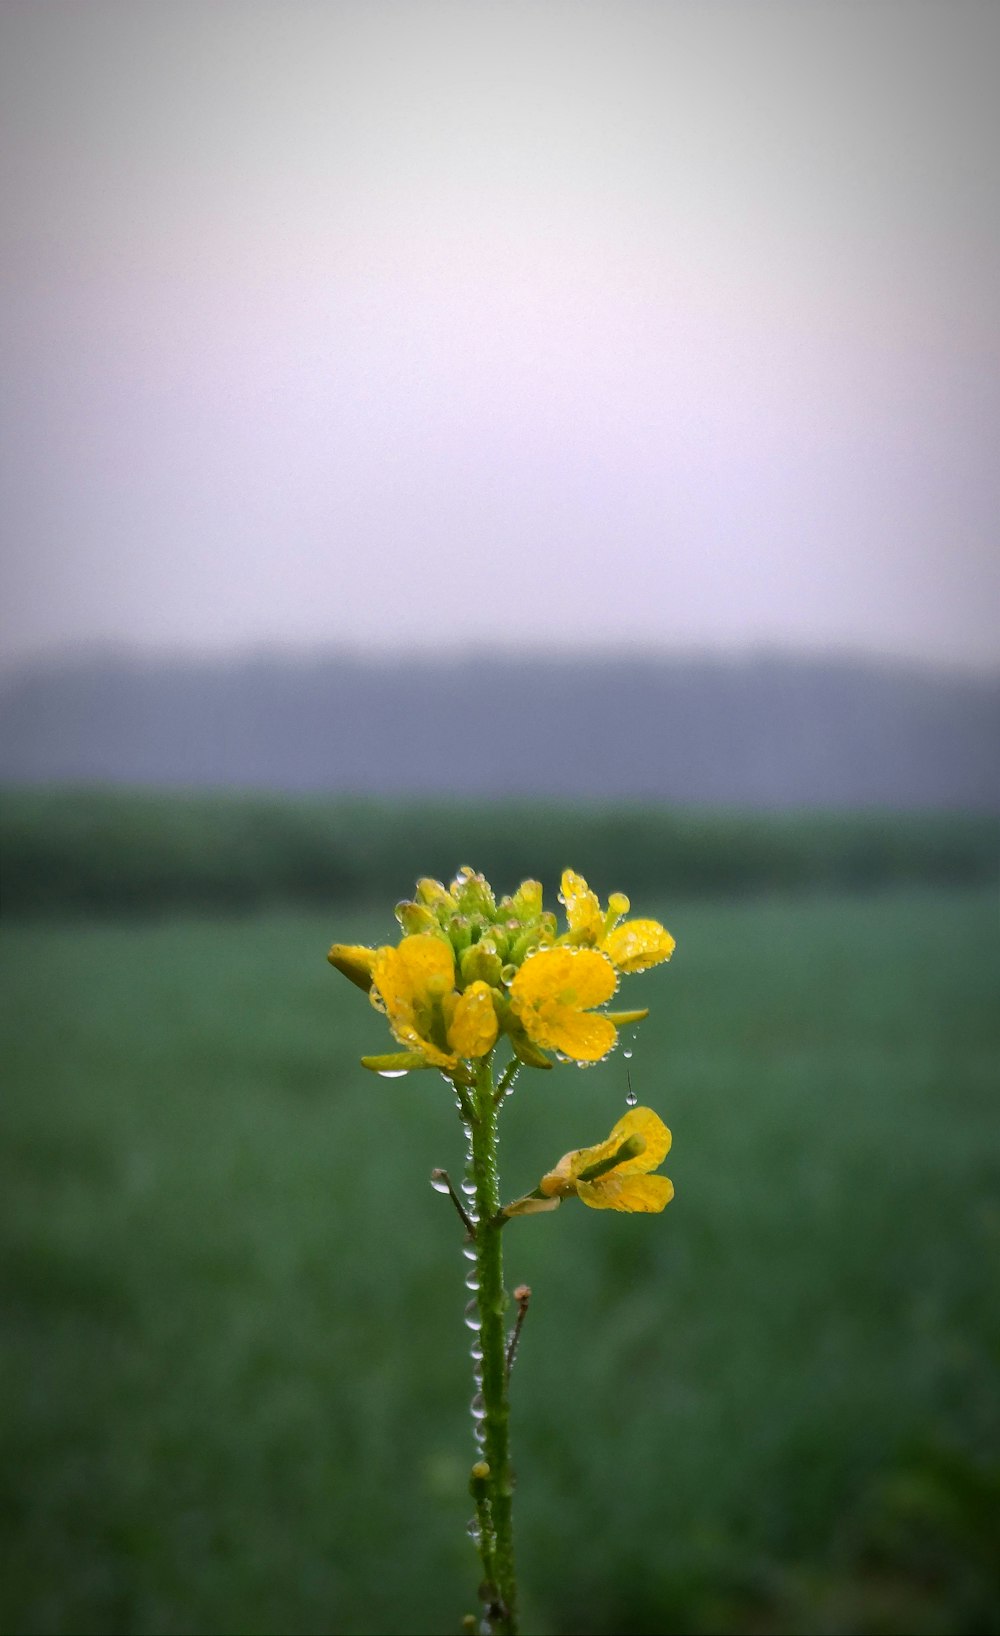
{"x": 766, "y": 733}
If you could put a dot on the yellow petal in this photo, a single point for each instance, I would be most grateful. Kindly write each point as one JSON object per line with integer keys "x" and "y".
{"x": 638, "y": 944}
{"x": 637, "y": 1122}
{"x": 583, "y": 909}
{"x": 580, "y": 978}
{"x": 472, "y": 1030}
{"x": 428, "y": 961}
{"x": 583, "y": 1036}
{"x": 407, "y": 980}
{"x": 415, "y": 970}
{"x": 647, "y": 1195}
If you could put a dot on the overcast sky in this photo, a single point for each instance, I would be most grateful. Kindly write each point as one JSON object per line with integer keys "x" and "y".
{"x": 568, "y": 324}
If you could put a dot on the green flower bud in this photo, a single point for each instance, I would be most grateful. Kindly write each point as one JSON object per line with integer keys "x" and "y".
{"x": 415, "y": 918}
{"x": 480, "y": 962}
{"x": 473, "y": 893}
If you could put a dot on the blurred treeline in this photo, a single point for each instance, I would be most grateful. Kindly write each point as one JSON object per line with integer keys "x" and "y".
{"x": 765, "y": 733}
{"x": 113, "y": 851}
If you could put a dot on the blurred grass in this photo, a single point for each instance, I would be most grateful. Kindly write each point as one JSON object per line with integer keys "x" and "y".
{"x": 125, "y": 851}
{"x": 236, "y": 1380}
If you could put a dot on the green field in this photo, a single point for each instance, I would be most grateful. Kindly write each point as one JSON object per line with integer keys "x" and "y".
{"x": 122, "y": 851}
{"x": 235, "y": 1379}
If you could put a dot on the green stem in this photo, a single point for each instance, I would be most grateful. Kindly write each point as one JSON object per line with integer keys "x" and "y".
{"x": 507, "y": 1079}
{"x": 492, "y": 1306}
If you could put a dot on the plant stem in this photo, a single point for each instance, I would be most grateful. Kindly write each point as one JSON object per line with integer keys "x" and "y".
{"x": 492, "y": 1298}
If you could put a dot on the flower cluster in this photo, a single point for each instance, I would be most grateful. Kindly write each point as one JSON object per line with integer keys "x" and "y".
{"x": 469, "y": 968}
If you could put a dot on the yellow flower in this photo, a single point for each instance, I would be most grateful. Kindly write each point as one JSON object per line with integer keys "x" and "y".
{"x": 614, "y": 1175}
{"x": 634, "y": 946}
{"x": 552, "y": 998}
{"x": 414, "y": 983}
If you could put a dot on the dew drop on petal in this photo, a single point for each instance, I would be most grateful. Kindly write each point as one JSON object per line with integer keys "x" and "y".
{"x": 393, "y": 1073}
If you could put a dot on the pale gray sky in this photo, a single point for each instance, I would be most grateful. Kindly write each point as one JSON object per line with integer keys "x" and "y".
{"x": 427, "y": 325}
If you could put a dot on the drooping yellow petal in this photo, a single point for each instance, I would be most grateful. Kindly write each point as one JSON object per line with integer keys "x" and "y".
{"x": 641, "y": 1123}
{"x": 472, "y": 1030}
{"x": 583, "y": 1036}
{"x": 638, "y": 944}
{"x": 530, "y": 1206}
{"x": 637, "y": 1122}
{"x": 584, "y": 916}
{"x": 646, "y": 1195}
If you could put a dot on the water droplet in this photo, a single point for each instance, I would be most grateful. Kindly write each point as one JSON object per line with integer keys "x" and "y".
{"x": 627, "y": 1053}
{"x": 479, "y": 1432}
{"x": 439, "y": 1181}
{"x": 472, "y": 1278}
{"x": 393, "y": 1073}
{"x": 476, "y": 1350}
{"x": 469, "y": 1189}
{"x": 472, "y": 1529}
{"x": 477, "y": 1407}
{"x": 630, "y": 1098}
{"x": 469, "y": 1251}
{"x": 472, "y": 1314}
